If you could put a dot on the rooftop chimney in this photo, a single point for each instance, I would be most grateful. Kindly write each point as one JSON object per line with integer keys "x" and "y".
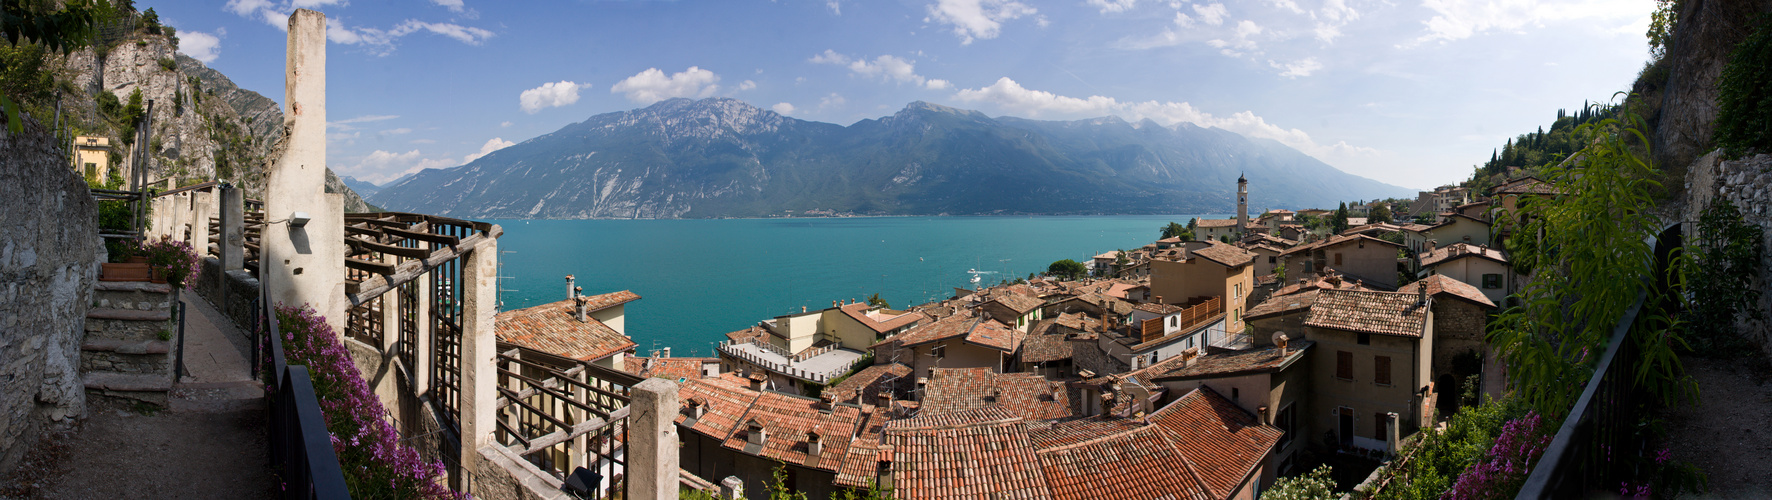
{"x": 1261, "y": 412}
{"x": 756, "y": 434}
{"x": 813, "y": 447}
{"x": 579, "y": 305}
{"x": 697, "y": 408}
{"x": 1421, "y": 293}
{"x": 571, "y": 292}
{"x": 885, "y": 399}
{"x": 757, "y": 379}
{"x": 1159, "y": 299}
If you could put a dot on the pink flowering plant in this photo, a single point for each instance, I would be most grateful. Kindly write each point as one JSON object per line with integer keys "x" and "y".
{"x": 1503, "y": 470}
{"x": 172, "y": 258}
{"x": 375, "y": 464}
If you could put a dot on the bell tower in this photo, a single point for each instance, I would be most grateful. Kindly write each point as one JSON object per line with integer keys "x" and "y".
{"x": 1242, "y": 205}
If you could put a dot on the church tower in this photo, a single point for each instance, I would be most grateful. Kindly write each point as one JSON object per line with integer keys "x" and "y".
{"x": 1242, "y": 206}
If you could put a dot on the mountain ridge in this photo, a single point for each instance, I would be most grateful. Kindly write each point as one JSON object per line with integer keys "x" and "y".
{"x": 720, "y": 157}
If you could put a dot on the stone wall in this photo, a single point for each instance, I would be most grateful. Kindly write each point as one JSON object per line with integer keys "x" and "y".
{"x": 49, "y": 258}
{"x": 1747, "y": 183}
{"x": 232, "y": 293}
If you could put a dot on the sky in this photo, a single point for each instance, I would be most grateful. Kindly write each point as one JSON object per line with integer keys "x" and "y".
{"x": 1409, "y": 92}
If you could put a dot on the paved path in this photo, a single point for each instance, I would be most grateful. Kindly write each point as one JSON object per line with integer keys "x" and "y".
{"x": 210, "y": 443}
{"x": 1726, "y": 434}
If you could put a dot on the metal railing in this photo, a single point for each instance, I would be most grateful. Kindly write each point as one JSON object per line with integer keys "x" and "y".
{"x": 300, "y": 445}
{"x": 730, "y": 349}
{"x": 1580, "y": 456}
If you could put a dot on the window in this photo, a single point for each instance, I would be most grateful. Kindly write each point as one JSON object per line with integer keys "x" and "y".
{"x": 1271, "y": 259}
{"x": 1364, "y": 339}
{"x": 1238, "y": 291}
{"x": 1175, "y": 321}
{"x": 1492, "y": 281}
{"x": 1338, "y": 259}
{"x": 1287, "y": 423}
{"x": 1344, "y": 365}
{"x": 1234, "y": 394}
{"x": 1307, "y": 266}
{"x": 939, "y": 351}
{"x": 1381, "y": 370}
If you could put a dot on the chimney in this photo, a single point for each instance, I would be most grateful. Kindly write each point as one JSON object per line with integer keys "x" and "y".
{"x": 1159, "y": 299}
{"x": 802, "y": 309}
{"x": 885, "y": 400}
{"x": 757, "y": 379}
{"x": 813, "y": 447}
{"x": 1433, "y": 244}
{"x": 1421, "y": 293}
{"x": 571, "y": 293}
{"x": 755, "y": 433}
{"x": 579, "y": 305}
{"x": 696, "y": 408}
{"x": 1261, "y": 412}
{"x": 826, "y": 402}
{"x": 1282, "y": 339}
{"x": 665, "y": 353}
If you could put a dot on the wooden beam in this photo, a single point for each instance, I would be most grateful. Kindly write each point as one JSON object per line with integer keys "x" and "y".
{"x": 425, "y": 237}
{"x": 371, "y": 266}
{"x": 354, "y": 230}
{"x": 588, "y": 426}
{"x": 416, "y": 253}
{"x": 412, "y": 269}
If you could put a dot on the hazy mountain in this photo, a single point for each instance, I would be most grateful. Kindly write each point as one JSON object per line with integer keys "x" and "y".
{"x": 724, "y": 158}
{"x": 362, "y": 187}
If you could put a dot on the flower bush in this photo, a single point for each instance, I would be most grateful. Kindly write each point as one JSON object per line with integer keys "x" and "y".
{"x": 375, "y": 464}
{"x": 1501, "y": 473}
{"x": 173, "y": 258}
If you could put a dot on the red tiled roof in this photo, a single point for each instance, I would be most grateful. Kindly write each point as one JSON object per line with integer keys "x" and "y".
{"x": 1215, "y": 223}
{"x": 754, "y": 332}
{"x": 1226, "y": 255}
{"x": 555, "y": 329}
{"x": 864, "y": 386}
{"x": 1440, "y": 284}
{"x": 1026, "y": 394}
{"x": 1389, "y": 313}
{"x": 1220, "y": 441}
{"x": 1525, "y": 185}
{"x": 1224, "y": 364}
{"x": 952, "y": 326}
{"x": 1019, "y": 303}
{"x": 992, "y": 459}
{"x": 1077, "y": 431}
{"x": 861, "y": 465}
{"x": 1044, "y": 344}
{"x": 666, "y": 368}
{"x": 725, "y": 401}
{"x": 1460, "y": 250}
{"x": 1281, "y": 304}
{"x": 786, "y": 421}
{"x": 859, "y": 312}
{"x": 996, "y": 336}
{"x": 988, "y": 414}
{"x": 1157, "y": 309}
{"x": 1134, "y": 464}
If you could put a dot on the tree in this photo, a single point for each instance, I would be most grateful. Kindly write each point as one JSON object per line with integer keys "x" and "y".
{"x": 1225, "y": 238}
{"x": 1744, "y": 96}
{"x": 1721, "y": 266}
{"x": 1380, "y": 214}
{"x": 1317, "y": 484}
{"x": 778, "y": 487}
{"x": 1661, "y": 27}
{"x": 876, "y": 301}
{"x": 1338, "y": 222}
{"x": 30, "y": 23}
{"x": 1174, "y": 230}
{"x": 1067, "y": 268}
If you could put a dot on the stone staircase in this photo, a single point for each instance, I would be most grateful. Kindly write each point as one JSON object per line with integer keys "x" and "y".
{"x": 130, "y": 334}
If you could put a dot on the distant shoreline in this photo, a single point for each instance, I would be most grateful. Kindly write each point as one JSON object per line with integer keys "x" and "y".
{"x": 862, "y": 217}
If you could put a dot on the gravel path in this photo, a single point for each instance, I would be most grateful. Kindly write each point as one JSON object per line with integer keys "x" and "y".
{"x": 1726, "y": 434}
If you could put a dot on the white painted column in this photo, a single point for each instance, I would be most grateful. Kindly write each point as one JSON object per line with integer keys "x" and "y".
{"x": 653, "y": 464}
{"x": 232, "y": 244}
{"x": 479, "y": 350}
{"x": 308, "y": 261}
{"x": 422, "y": 343}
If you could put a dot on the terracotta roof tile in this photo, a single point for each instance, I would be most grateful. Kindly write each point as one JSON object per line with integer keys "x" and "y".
{"x": 1389, "y": 313}
{"x": 987, "y": 414}
{"x": 1028, "y": 395}
{"x": 555, "y": 329}
{"x": 1525, "y": 185}
{"x": 861, "y": 465}
{"x": 880, "y": 321}
{"x": 1077, "y": 431}
{"x": 1018, "y": 302}
{"x": 1133, "y": 464}
{"x": 1440, "y": 284}
{"x": 1260, "y": 360}
{"x": 1221, "y": 442}
{"x": 724, "y": 401}
{"x": 671, "y": 369}
{"x": 996, "y": 336}
{"x": 1046, "y": 344}
{"x": 786, "y": 422}
{"x": 1227, "y": 255}
{"x": 864, "y": 387}
{"x": 1215, "y": 223}
{"x": 992, "y": 459}
{"x": 1460, "y": 250}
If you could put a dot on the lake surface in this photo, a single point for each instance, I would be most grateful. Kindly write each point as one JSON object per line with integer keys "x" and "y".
{"x": 699, "y": 279}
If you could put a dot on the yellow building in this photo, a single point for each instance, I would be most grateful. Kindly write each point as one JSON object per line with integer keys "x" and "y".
{"x": 92, "y": 156}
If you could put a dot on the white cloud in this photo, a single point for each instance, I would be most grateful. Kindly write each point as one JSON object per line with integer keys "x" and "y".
{"x": 424, "y": 141}
{"x": 550, "y": 95}
{"x": 1183, "y": 20}
{"x": 383, "y": 166}
{"x": 1213, "y": 14}
{"x": 652, "y": 85}
{"x": 1460, "y": 19}
{"x": 348, "y": 123}
{"x": 1107, "y": 6}
{"x": 974, "y": 19}
{"x": 1288, "y": 5}
{"x": 747, "y": 85}
{"x": 199, "y": 45}
{"x": 505, "y": 124}
{"x": 1295, "y": 69}
{"x": 783, "y": 108}
{"x": 831, "y": 101}
{"x": 1236, "y": 46}
{"x": 375, "y": 40}
{"x": 886, "y": 68}
{"x": 492, "y": 145}
{"x": 1012, "y": 97}
{"x": 395, "y": 131}
{"x": 836, "y": 7}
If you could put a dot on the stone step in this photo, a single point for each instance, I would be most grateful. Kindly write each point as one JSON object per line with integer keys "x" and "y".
{"x": 128, "y": 382}
{"x": 127, "y": 330}
{"x": 132, "y": 286}
{"x": 216, "y": 397}
{"x": 128, "y": 314}
{"x": 127, "y": 346}
{"x": 140, "y": 301}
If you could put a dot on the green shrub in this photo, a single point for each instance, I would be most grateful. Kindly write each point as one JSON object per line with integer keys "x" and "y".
{"x": 1744, "y": 96}
{"x": 168, "y": 64}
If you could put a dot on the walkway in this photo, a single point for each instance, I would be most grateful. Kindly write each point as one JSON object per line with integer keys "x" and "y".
{"x": 209, "y": 444}
{"x": 1725, "y": 434}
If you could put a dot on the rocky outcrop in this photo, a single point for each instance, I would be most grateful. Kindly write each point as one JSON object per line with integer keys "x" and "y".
{"x": 1706, "y": 33}
{"x": 49, "y": 259}
{"x": 1747, "y": 183}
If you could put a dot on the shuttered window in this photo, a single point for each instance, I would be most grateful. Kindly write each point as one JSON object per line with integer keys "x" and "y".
{"x": 1381, "y": 370}
{"x": 1344, "y": 365}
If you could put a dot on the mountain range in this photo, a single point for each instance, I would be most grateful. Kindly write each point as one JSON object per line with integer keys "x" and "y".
{"x": 721, "y": 157}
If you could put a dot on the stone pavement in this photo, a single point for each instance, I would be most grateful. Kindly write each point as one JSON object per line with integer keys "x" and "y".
{"x": 210, "y": 442}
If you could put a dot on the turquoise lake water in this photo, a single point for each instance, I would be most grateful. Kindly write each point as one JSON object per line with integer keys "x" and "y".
{"x": 699, "y": 279}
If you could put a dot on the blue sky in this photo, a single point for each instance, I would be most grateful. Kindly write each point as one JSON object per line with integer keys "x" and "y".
{"x": 1410, "y": 92}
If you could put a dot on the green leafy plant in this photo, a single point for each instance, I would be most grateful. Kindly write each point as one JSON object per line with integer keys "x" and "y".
{"x": 876, "y": 301}
{"x": 168, "y": 64}
{"x": 164, "y": 334}
{"x": 1744, "y": 95}
{"x": 778, "y": 487}
{"x": 1440, "y": 455}
{"x": 33, "y": 23}
{"x": 1720, "y": 267}
{"x": 1318, "y": 484}
{"x": 173, "y": 258}
{"x": 1068, "y": 269}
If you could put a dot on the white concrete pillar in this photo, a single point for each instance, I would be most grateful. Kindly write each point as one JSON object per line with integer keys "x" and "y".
{"x": 232, "y": 244}
{"x": 200, "y": 226}
{"x": 422, "y": 343}
{"x": 653, "y": 472}
{"x": 479, "y": 350}
{"x": 307, "y": 262}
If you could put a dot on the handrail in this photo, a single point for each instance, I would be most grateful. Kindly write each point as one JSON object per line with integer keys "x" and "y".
{"x": 1552, "y": 477}
{"x": 300, "y": 444}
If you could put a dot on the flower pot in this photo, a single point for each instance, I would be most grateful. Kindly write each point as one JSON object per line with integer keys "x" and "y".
{"x": 158, "y": 275}
{"x": 126, "y": 271}
{"x": 138, "y": 259}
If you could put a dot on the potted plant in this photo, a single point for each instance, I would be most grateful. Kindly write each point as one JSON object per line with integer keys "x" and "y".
{"x": 124, "y": 263}
{"x": 172, "y": 261}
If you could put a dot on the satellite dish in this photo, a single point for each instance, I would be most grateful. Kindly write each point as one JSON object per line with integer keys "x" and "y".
{"x": 1280, "y": 339}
